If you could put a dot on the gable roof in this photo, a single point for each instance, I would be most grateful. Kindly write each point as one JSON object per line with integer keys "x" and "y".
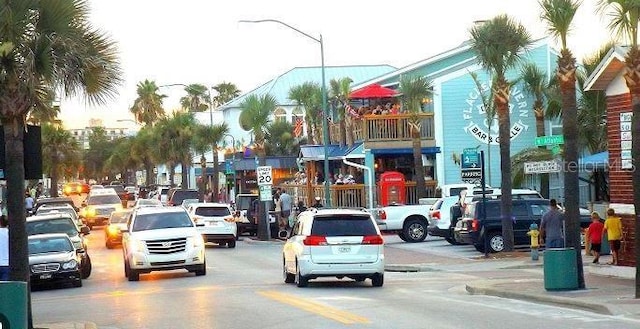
{"x": 279, "y": 87}
{"x": 607, "y": 70}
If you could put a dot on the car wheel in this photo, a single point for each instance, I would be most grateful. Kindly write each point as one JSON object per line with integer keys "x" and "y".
{"x": 202, "y": 270}
{"x": 108, "y": 244}
{"x": 496, "y": 242}
{"x": 415, "y": 230}
{"x": 452, "y": 241}
{"x": 126, "y": 268}
{"x": 301, "y": 280}
{"x": 288, "y": 277}
{"x": 402, "y": 236}
{"x": 377, "y": 280}
{"x": 77, "y": 283}
{"x": 86, "y": 268}
{"x": 133, "y": 275}
{"x": 231, "y": 243}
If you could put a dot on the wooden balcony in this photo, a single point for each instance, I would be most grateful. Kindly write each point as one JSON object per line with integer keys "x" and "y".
{"x": 385, "y": 128}
{"x": 351, "y": 195}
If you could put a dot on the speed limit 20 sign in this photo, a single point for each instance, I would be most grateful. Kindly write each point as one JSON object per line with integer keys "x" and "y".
{"x": 264, "y": 175}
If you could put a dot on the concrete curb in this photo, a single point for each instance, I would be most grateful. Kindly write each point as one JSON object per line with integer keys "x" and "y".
{"x": 67, "y": 325}
{"x": 409, "y": 268}
{"x": 479, "y": 289}
{"x": 272, "y": 241}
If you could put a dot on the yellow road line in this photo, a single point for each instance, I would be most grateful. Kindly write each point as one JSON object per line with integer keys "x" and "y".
{"x": 314, "y": 307}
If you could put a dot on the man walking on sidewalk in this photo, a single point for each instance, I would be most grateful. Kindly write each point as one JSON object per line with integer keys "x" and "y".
{"x": 551, "y": 227}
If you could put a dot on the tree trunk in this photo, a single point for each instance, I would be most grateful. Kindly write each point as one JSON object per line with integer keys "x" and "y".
{"x": 53, "y": 191}
{"x": 418, "y": 166}
{"x": 172, "y": 173}
{"x": 203, "y": 178}
{"x": 148, "y": 168}
{"x": 501, "y": 100}
{"x": 16, "y": 211}
{"x": 539, "y": 114}
{"x": 344, "y": 140}
{"x": 184, "y": 168}
{"x": 567, "y": 78}
{"x": 216, "y": 167}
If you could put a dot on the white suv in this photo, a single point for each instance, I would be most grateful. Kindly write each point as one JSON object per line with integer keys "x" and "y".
{"x": 159, "y": 239}
{"x": 334, "y": 243}
{"x": 218, "y": 225}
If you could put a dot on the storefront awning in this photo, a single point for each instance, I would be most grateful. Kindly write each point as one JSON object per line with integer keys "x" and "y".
{"x": 408, "y": 150}
{"x": 335, "y": 152}
{"x": 594, "y": 161}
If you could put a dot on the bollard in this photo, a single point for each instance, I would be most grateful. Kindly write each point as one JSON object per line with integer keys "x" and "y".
{"x": 13, "y": 304}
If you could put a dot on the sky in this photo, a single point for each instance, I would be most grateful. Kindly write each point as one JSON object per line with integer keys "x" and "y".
{"x": 201, "y": 41}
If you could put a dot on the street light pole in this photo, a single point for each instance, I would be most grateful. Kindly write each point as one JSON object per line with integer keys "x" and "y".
{"x": 325, "y": 110}
{"x": 233, "y": 162}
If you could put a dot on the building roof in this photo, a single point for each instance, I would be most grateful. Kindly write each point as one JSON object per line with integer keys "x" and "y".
{"x": 607, "y": 70}
{"x": 279, "y": 87}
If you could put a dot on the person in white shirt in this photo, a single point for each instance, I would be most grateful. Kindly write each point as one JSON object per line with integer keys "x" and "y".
{"x": 4, "y": 249}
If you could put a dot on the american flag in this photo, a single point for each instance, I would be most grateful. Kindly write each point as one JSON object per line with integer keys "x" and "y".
{"x": 297, "y": 129}
{"x": 352, "y": 111}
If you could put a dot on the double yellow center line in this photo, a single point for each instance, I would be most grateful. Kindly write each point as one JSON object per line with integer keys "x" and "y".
{"x": 314, "y": 307}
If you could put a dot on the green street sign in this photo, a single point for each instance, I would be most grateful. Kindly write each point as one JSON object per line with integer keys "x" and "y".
{"x": 470, "y": 158}
{"x": 550, "y": 140}
{"x": 555, "y": 150}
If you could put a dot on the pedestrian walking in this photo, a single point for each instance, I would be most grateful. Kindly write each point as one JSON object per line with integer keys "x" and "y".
{"x": 4, "y": 249}
{"x": 535, "y": 239}
{"x": 613, "y": 229}
{"x": 28, "y": 203}
{"x": 551, "y": 226}
{"x": 595, "y": 236}
{"x": 286, "y": 204}
{"x": 277, "y": 211}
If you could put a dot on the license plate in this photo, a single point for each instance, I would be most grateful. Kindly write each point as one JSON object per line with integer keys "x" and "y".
{"x": 215, "y": 224}
{"x": 45, "y": 276}
{"x": 344, "y": 250}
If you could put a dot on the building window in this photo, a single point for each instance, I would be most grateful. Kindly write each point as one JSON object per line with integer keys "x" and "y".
{"x": 280, "y": 114}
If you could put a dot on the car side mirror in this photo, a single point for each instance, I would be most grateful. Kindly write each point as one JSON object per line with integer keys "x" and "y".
{"x": 283, "y": 235}
{"x": 80, "y": 251}
{"x": 85, "y": 230}
{"x": 199, "y": 224}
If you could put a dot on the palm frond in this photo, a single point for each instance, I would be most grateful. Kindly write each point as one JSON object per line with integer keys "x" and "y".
{"x": 558, "y": 15}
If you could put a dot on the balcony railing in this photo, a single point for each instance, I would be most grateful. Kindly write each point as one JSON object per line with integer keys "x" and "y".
{"x": 387, "y": 127}
{"x": 351, "y": 195}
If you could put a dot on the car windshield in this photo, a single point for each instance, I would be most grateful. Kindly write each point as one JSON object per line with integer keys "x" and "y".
{"x": 343, "y": 225}
{"x": 213, "y": 211}
{"x": 118, "y": 217}
{"x": 103, "y": 199}
{"x": 47, "y": 245}
{"x": 149, "y": 202}
{"x": 54, "y": 225}
{"x": 161, "y": 220}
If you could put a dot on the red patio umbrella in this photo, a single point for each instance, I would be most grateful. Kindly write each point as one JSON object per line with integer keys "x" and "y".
{"x": 373, "y": 91}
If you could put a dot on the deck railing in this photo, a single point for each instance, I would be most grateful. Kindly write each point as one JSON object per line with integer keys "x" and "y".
{"x": 386, "y": 127}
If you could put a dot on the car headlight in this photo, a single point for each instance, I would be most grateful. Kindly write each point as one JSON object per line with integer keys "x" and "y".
{"x": 137, "y": 245}
{"x": 88, "y": 212}
{"x": 70, "y": 265}
{"x": 112, "y": 230}
{"x": 198, "y": 241}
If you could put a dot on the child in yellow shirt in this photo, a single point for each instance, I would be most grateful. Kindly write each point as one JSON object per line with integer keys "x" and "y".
{"x": 535, "y": 235}
{"x": 613, "y": 229}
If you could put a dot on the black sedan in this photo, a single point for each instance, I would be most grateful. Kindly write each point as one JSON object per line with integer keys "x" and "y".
{"x": 53, "y": 260}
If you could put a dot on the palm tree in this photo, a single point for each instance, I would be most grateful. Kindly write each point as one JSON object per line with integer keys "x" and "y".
{"x": 46, "y": 46}
{"x": 147, "y": 108}
{"x": 339, "y": 91}
{"x": 280, "y": 139}
{"x": 486, "y": 96}
{"x": 559, "y": 15}
{"x": 197, "y": 99}
{"x": 309, "y": 96}
{"x": 98, "y": 152}
{"x": 499, "y": 43}
{"x": 414, "y": 90}
{"x": 142, "y": 151}
{"x": 213, "y": 135}
{"x": 201, "y": 145}
{"x": 255, "y": 117}
{"x": 61, "y": 148}
{"x": 226, "y": 92}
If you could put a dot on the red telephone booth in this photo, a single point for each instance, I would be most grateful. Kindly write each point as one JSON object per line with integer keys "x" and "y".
{"x": 392, "y": 188}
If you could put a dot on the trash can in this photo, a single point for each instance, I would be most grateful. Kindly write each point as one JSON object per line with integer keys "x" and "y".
{"x": 604, "y": 247}
{"x": 13, "y": 304}
{"x": 560, "y": 269}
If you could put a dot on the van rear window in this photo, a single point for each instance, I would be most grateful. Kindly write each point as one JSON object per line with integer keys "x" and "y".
{"x": 343, "y": 225}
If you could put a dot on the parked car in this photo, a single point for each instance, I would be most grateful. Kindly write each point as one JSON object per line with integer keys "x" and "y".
{"x": 53, "y": 259}
{"x": 160, "y": 239}
{"x": 475, "y": 230}
{"x": 219, "y": 226}
{"x": 98, "y": 207}
{"x": 62, "y": 223}
{"x": 334, "y": 243}
{"x": 248, "y": 222}
{"x": 113, "y": 231}
{"x": 175, "y": 196}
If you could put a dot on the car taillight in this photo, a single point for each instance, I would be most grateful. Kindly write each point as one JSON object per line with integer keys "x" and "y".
{"x": 315, "y": 240}
{"x": 372, "y": 239}
{"x": 382, "y": 214}
{"x": 475, "y": 225}
{"x": 436, "y": 214}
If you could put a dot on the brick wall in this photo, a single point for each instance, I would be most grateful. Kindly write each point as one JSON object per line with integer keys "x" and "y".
{"x": 627, "y": 255}
{"x": 620, "y": 187}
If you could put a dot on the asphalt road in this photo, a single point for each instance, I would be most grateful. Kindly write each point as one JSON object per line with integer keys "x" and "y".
{"x": 243, "y": 288}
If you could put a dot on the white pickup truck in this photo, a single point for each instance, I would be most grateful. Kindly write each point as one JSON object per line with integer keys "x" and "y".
{"x": 408, "y": 221}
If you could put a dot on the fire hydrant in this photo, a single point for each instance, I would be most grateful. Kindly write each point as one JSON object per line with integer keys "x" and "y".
{"x": 534, "y": 234}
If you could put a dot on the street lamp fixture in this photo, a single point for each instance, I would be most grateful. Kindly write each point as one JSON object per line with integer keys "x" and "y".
{"x": 325, "y": 111}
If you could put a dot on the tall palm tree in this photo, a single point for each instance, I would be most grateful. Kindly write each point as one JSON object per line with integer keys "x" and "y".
{"x": 486, "y": 96}
{"x": 535, "y": 83}
{"x": 309, "y": 96}
{"x": 214, "y": 136}
{"x": 201, "y": 145}
{"x": 625, "y": 16}
{"x": 559, "y": 14}
{"x": 255, "y": 117}
{"x": 46, "y": 46}
{"x": 499, "y": 44}
{"x": 197, "y": 98}
{"x": 60, "y": 148}
{"x": 147, "y": 108}
{"x": 142, "y": 150}
{"x": 414, "y": 89}
{"x": 226, "y": 92}
{"x": 280, "y": 139}
{"x": 339, "y": 90}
